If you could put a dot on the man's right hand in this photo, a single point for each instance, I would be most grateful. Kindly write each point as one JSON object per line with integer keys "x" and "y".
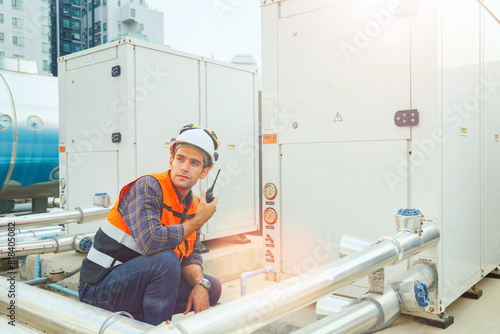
{"x": 203, "y": 214}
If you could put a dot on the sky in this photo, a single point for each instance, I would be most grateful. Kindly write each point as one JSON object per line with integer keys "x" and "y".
{"x": 218, "y": 28}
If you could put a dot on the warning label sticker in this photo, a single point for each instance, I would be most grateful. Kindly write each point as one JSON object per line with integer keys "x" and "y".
{"x": 338, "y": 118}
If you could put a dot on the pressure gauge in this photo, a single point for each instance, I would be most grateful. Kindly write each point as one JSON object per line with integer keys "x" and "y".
{"x": 270, "y": 216}
{"x": 270, "y": 191}
{"x": 5, "y": 122}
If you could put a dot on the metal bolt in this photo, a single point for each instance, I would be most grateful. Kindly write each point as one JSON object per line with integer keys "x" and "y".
{"x": 398, "y": 118}
{"x": 431, "y": 309}
{"x": 412, "y": 120}
{"x": 295, "y": 125}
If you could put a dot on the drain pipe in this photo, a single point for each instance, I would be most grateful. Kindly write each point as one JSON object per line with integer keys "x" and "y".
{"x": 248, "y": 274}
{"x": 57, "y": 314}
{"x": 254, "y": 311}
{"x": 80, "y": 243}
{"x": 55, "y": 216}
{"x": 374, "y": 312}
{"x": 53, "y": 278}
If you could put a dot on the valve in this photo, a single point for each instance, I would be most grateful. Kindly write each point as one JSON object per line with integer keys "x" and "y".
{"x": 421, "y": 294}
{"x": 409, "y": 212}
{"x": 85, "y": 244}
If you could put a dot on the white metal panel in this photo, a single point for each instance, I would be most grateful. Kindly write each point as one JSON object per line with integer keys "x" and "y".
{"x": 461, "y": 151}
{"x": 96, "y": 174}
{"x": 349, "y": 66}
{"x": 491, "y": 140}
{"x": 167, "y": 98}
{"x": 232, "y": 114}
{"x": 93, "y": 109}
{"x": 328, "y": 190}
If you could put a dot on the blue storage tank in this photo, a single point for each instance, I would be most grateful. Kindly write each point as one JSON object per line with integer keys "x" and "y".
{"x": 29, "y": 140}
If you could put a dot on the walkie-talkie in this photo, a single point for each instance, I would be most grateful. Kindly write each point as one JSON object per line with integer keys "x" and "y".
{"x": 210, "y": 195}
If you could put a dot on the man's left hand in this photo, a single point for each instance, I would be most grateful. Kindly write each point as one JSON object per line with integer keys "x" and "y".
{"x": 198, "y": 299}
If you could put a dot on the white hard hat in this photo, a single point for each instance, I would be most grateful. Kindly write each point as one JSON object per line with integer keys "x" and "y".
{"x": 203, "y": 139}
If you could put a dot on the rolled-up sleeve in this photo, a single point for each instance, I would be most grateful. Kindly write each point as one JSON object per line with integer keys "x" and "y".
{"x": 141, "y": 208}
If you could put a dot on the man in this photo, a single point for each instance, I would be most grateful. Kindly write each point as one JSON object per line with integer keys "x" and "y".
{"x": 146, "y": 257}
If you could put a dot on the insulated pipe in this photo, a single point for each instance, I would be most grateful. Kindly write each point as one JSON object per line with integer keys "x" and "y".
{"x": 61, "y": 315}
{"x": 374, "y": 312}
{"x": 55, "y": 217}
{"x": 245, "y": 275}
{"x": 79, "y": 242}
{"x": 16, "y": 328}
{"x": 32, "y": 233}
{"x": 350, "y": 245}
{"x": 352, "y": 320}
{"x": 254, "y": 311}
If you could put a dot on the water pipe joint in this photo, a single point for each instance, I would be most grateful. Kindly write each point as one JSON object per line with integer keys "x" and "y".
{"x": 409, "y": 220}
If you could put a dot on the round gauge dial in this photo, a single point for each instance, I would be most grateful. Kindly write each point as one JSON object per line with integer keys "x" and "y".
{"x": 5, "y": 122}
{"x": 270, "y": 191}
{"x": 270, "y": 216}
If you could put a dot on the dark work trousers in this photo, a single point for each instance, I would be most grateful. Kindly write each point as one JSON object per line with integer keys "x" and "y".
{"x": 151, "y": 288}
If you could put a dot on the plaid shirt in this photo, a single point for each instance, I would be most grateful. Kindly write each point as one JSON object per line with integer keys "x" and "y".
{"x": 141, "y": 208}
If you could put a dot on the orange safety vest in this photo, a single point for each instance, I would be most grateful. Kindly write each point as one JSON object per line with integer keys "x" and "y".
{"x": 173, "y": 212}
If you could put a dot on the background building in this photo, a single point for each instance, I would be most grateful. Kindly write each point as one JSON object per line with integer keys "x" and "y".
{"x": 25, "y": 31}
{"x": 82, "y": 24}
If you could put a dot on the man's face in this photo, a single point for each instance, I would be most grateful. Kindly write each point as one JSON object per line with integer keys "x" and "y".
{"x": 186, "y": 168}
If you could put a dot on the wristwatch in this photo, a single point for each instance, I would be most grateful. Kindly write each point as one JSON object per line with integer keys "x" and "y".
{"x": 204, "y": 283}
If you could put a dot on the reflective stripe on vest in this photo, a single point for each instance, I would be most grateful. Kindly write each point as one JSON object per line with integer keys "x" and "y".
{"x": 102, "y": 259}
{"x": 120, "y": 236}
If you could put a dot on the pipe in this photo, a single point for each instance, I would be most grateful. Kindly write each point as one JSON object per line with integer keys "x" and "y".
{"x": 254, "y": 311}
{"x": 33, "y": 232}
{"x": 13, "y": 327}
{"x": 60, "y": 315}
{"x": 350, "y": 245}
{"x": 245, "y": 275}
{"x": 331, "y": 304}
{"x": 79, "y": 242}
{"x": 350, "y": 320}
{"x": 55, "y": 216}
{"x": 375, "y": 312}
{"x": 64, "y": 289}
{"x": 53, "y": 202}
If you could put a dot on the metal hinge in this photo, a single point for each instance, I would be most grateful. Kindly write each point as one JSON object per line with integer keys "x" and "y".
{"x": 407, "y": 117}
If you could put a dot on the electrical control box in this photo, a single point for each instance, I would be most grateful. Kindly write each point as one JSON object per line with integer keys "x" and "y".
{"x": 369, "y": 106}
{"x": 122, "y": 103}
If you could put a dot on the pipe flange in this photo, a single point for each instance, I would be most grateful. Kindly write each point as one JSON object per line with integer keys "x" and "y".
{"x": 398, "y": 245}
{"x": 82, "y": 215}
